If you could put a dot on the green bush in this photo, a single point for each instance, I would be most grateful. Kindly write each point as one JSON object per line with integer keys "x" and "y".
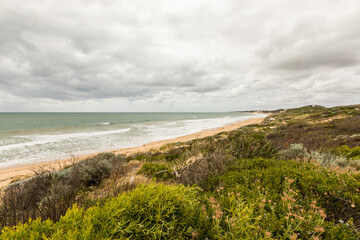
{"x": 170, "y": 156}
{"x": 233, "y": 218}
{"x": 150, "y": 169}
{"x": 335, "y": 193}
{"x": 257, "y": 198}
{"x": 200, "y": 171}
{"x": 250, "y": 146}
{"x": 349, "y": 153}
{"x": 149, "y": 212}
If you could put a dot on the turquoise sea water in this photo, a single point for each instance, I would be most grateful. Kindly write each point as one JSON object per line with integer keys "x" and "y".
{"x": 27, "y": 138}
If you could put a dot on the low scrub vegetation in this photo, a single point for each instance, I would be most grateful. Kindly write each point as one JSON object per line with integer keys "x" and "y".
{"x": 158, "y": 170}
{"x": 49, "y": 194}
{"x": 149, "y": 212}
{"x": 348, "y": 153}
{"x": 256, "y": 198}
{"x": 294, "y": 176}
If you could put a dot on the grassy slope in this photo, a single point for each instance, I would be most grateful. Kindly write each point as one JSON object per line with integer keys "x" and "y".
{"x": 286, "y": 178}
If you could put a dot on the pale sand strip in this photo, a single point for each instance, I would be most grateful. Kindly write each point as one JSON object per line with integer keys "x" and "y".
{"x": 9, "y": 174}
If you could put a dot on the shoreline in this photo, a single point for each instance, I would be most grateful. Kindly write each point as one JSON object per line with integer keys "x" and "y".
{"x": 9, "y": 174}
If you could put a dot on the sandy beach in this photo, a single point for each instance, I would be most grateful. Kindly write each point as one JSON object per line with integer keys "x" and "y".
{"x": 8, "y": 175}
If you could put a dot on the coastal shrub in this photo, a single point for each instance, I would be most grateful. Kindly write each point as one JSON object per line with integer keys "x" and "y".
{"x": 254, "y": 198}
{"x": 345, "y": 151}
{"x": 355, "y": 164}
{"x": 174, "y": 153}
{"x": 295, "y": 151}
{"x": 90, "y": 172}
{"x": 313, "y": 137}
{"x": 139, "y": 157}
{"x": 205, "y": 146}
{"x": 336, "y": 193}
{"x": 152, "y": 170}
{"x": 200, "y": 171}
{"x": 19, "y": 202}
{"x": 324, "y": 158}
{"x": 258, "y": 217}
{"x": 317, "y": 136}
{"x": 306, "y": 109}
{"x": 158, "y": 211}
{"x": 170, "y": 156}
{"x": 232, "y": 218}
{"x": 149, "y": 212}
{"x": 50, "y": 193}
{"x": 214, "y": 161}
{"x": 250, "y": 146}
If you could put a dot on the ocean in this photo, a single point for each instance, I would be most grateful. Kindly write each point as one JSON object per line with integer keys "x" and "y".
{"x": 28, "y": 138}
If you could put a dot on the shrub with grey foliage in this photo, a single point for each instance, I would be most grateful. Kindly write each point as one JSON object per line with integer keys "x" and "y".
{"x": 295, "y": 151}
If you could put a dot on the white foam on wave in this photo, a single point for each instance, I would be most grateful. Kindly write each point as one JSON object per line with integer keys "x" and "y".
{"x": 168, "y": 130}
{"x": 104, "y": 123}
{"x": 211, "y": 123}
{"x": 46, "y": 147}
{"x": 45, "y": 139}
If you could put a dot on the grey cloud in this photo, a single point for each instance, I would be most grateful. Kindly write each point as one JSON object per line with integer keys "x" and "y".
{"x": 209, "y": 51}
{"x": 313, "y": 44}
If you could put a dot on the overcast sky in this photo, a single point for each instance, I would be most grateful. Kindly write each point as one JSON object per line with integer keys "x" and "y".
{"x": 178, "y": 55}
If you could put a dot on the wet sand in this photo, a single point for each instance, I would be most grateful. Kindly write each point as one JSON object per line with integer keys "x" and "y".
{"x": 7, "y": 175}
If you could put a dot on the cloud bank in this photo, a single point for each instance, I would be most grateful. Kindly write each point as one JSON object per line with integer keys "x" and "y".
{"x": 177, "y": 55}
